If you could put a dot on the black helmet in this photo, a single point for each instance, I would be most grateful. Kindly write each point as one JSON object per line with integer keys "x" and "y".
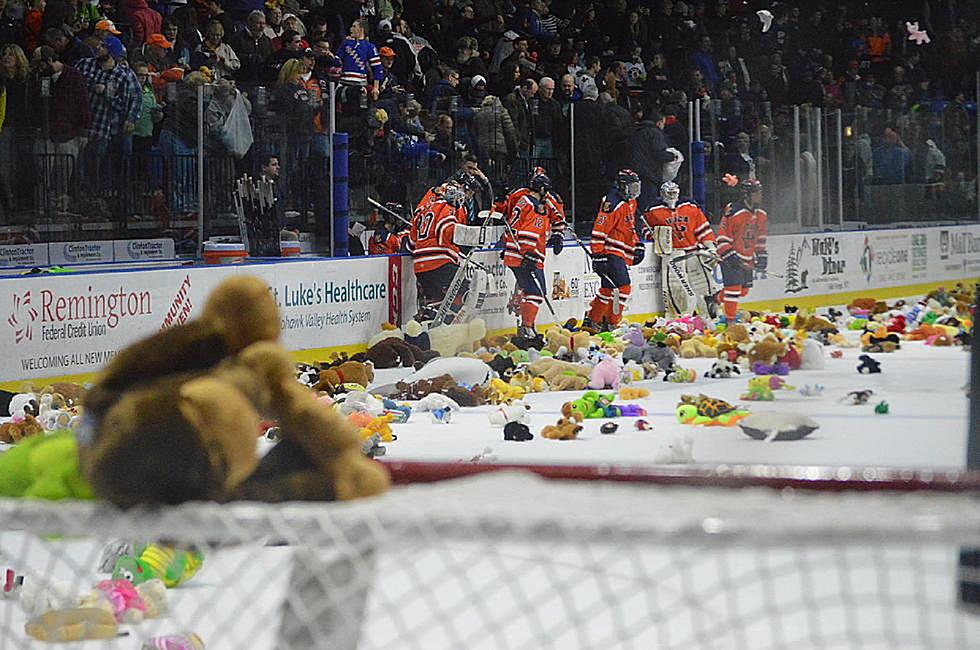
{"x": 539, "y": 181}
{"x": 750, "y": 186}
{"x": 628, "y": 183}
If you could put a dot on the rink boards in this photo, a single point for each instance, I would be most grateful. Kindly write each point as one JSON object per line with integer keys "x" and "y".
{"x": 69, "y": 325}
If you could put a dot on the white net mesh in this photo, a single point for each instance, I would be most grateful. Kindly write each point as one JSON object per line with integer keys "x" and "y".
{"x": 510, "y": 561}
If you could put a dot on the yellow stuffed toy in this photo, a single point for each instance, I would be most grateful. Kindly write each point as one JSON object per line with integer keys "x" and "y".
{"x": 500, "y": 392}
{"x": 174, "y": 416}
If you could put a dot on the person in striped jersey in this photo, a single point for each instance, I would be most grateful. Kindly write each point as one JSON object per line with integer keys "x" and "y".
{"x": 615, "y": 247}
{"x": 742, "y": 246}
{"x": 690, "y": 231}
{"x": 430, "y": 240}
{"x": 525, "y": 238}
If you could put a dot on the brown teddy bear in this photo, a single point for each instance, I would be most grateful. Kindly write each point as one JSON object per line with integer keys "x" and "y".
{"x": 813, "y": 323}
{"x": 861, "y": 304}
{"x": 767, "y": 351}
{"x": 443, "y": 384}
{"x": 348, "y": 372}
{"x": 394, "y": 352}
{"x": 567, "y": 427}
{"x": 17, "y": 429}
{"x": 559, "y": 337}
{"x": 561, "y": 375}
{"x": 174, "y": 416}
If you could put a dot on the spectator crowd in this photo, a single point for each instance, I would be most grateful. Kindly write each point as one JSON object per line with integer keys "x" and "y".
{"x": 424, "y": 84}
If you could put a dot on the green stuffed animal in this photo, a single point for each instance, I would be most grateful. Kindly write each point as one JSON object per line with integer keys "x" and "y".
{"x": 592, "y": 404}
{"x": 171, "y": 565}
{"x": 44, "y": 467}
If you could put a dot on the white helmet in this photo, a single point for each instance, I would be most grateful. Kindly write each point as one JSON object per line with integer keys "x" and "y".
{"x": 670, "y": 192}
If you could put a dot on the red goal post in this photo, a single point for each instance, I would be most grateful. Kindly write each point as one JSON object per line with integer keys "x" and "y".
{"x": 469, "y": 555}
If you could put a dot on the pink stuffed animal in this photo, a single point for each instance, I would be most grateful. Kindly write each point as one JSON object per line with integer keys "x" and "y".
{"x": 127, "y": 604}
{"x": 605, "y": 374}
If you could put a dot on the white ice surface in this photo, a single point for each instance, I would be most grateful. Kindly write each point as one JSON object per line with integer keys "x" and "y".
{"x": 925, "y": 427}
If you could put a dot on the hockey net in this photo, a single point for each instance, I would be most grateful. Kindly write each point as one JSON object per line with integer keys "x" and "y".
{"x": 561, "y": 557}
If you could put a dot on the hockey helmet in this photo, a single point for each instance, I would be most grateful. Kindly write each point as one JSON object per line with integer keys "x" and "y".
{"x": 453, "y": 194}
{"x": 539, "y": 182}
{"x": 628, "y": 183}
{"x": 750, "y": 186}
{"x": 670, "y": 192}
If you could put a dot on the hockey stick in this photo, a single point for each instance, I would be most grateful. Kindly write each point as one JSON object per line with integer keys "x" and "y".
{"x": 389, "y": 211}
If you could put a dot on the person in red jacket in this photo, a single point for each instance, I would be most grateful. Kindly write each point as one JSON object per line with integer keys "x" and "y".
{"x": 684, "y": 272}
{"x": 525, "y": 239}
{"x": 430, "y": 240}
{"x": 742, "y": 246}
{"x": 615, "y": 247}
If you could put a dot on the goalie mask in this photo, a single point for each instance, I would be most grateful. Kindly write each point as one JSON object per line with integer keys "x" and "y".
{"x": 670, "y": 192}
{"x": 454, "y": 195}
{"x": 628, "y": 184}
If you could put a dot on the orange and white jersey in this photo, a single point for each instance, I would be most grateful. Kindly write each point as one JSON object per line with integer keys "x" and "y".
{"x": 431, "y": 237}
{"x": 614, "y": 232}
{"x": 530, "y": 224}
{"x": 743, "y": 232}
{"x": 688, "y": 225}
{"x": 553, "y": 203}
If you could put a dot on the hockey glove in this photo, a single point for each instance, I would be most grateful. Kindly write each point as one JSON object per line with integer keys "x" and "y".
{"x": 557, "y": 242}
{"x": 639, "y": 253}
{"x": 528, "y": 263}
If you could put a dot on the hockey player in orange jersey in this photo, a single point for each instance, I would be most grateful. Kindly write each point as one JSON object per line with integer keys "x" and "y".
{"x": 742, "y": 246}
{"x": 430, "y": 240}
{"x": 555, "y": 210}
{"x": 615, "y": 247}
{"x": 525, "y": 240}
{"x": 688, "y": 269}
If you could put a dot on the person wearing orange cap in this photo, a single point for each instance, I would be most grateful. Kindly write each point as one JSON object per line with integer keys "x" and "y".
{"x": 390, "y": 83}
{"x": 157, "y": 54}
{"x": 105, "y": 28}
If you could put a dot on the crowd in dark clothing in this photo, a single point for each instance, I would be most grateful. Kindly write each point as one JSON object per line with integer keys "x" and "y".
{"x": 423, "y": 82}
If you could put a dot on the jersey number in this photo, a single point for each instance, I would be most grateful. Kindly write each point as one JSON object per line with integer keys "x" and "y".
{"x": 425, "y": 225}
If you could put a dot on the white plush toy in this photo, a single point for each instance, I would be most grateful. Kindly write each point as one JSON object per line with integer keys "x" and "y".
{"x": 359, "y": 400}
{"x": 434, "y": 402}
{"x": 39, "y": 595}
{"x": 450, "y": 340}
{"x": 516, "y": 411}
{"x": 23, "y": 403}
{"x": 464, "y": 370}
{"x": 677, "y": 451}
{"x": 812, "y": 355}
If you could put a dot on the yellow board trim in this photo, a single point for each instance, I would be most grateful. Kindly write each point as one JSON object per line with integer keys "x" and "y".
{"x": 803, "y": 302}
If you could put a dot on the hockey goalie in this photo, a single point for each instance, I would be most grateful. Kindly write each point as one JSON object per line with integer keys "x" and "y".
{"x": 688, "y": 255}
